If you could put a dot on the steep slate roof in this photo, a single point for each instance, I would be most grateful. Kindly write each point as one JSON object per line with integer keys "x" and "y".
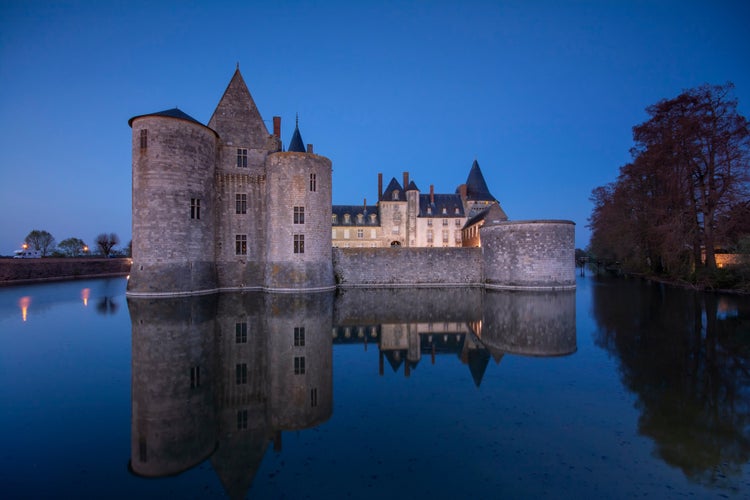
{"x": 296, "y": 145}
{"x": 169, "y": 113}
{"x": 412, "y": 187}
{"x": 449, "y": 202}
{"x": 236, "y": 118}
{"x": 476, "y": 186}
{"x": 353, "y": 210}
{"x": 392, "y": 186}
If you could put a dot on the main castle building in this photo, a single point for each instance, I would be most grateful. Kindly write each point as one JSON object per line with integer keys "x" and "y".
{"x": 223, "y": 207}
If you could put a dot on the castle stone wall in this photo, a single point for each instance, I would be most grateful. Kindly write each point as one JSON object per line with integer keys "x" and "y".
{"x": 407, "y": 267}
{"x": 529, "y": 254}
{"x": 172, "y": 251}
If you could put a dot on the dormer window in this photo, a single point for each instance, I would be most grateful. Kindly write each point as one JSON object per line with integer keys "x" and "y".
{"x": 372, "y": 218}
{"x": 395, "y": 195}
{"x": 347, "y": 219}
{"x": 360, "y": 218}
{"x": 456, "y": 211}
{"x": 334, "y": 219}
{"x": 445, "y": 210}
{"x": 429, "y": 210}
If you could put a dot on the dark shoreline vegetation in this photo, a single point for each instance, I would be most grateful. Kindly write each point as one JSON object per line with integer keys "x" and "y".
{"x": 679, "y": 212}
{"x": 26, "y": 271}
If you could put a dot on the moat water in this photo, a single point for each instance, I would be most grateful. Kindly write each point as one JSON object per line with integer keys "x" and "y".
{"x": 619, "y": 389}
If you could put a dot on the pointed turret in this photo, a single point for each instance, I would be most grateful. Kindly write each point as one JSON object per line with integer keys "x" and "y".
{"x": 476, "y": 186}
{"x": 237, "y": 119}
{"x": 296, "y": 145}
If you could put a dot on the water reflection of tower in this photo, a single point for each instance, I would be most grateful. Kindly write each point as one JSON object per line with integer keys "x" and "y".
{"x": 300, "y": 354}
{"x": 173, "y": 417}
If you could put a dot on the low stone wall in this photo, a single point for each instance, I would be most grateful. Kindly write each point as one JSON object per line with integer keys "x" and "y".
{"x": 407, "y": 267}
{"x": 21, "y": 271}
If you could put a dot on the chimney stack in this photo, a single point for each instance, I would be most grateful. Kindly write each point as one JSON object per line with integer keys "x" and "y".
{"x": 432, "y": 193}
{"x": 462, "y": 191}
{"x": 277, "y": 126}
{"x": 310, "y": 148}
{"x": 406, "y": 181}
{"x": 364, "y": 205}
{"x": 380, "y": 186}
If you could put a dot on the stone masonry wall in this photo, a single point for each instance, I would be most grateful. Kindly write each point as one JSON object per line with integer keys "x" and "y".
{"x": 16, "y": 271}
{"x": 408, "y": 267}
{"x": 529, "y": 254}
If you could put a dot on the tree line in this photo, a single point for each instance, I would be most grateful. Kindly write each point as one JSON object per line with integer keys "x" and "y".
{"x": 43, "y": 242}
{"x": 684, "y": 196}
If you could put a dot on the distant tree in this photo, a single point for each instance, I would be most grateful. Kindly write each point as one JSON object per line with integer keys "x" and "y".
{"x": 40, "y": 240}
{"x": 72, "y": 247}
{"x": 106, "y": 242}
{"x": 129, "y": 249}
{"x": 685, "y": 192}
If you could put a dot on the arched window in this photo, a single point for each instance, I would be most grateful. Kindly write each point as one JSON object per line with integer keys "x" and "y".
{"x": 395, "y": 194}
{"x": 395, "y": 244}
{"x": 347, "y": 218}
{"x": 334, "y": 219}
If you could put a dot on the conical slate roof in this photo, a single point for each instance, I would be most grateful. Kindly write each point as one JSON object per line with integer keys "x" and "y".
{"x": 393, "y": 186}
{"x": 297, "y": 145}
{"x": 169, "y": 113}
{"x": 476, "y": 186}
{"x": 412, "y": 187}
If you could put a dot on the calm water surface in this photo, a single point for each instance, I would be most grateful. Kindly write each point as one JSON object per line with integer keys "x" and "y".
{"x": 616, "y": 390}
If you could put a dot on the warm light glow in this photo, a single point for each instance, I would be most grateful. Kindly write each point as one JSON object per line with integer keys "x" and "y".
{"x": 85, "y": 248}
{"x": 25, "y": 246}
{"x": 85, "y": 296}
{"x": 24, "y": 303}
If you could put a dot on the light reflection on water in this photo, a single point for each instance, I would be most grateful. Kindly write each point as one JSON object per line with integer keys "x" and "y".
{"x": 618, "y": 389}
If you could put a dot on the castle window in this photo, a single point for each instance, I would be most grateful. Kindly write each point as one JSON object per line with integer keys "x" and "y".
{"x": 445, "y": 222}
{"x": 144, "y": 138}
{"x": 333, "y": 233}
{"x": 299, "y": 215}
{"x": 347, "y": 218}
{"x": 195, "y": 377}
{"x": 360, "y": 233}
{"x": 395, "y": 195}
{"x": 396, "y": 230}
{"x": 241, "y": 419}
{"x": 372, "y": 218}
{"x": 240, "y": 330}
{"x": 429, "y": 222}
{"x": 241, "y": 373}
{"x": 456, "y": 211}
{"x": 241, "y": 157}
{"x": 429, "y": 236}
{"x": 445, "y": 236}
{"x": 313, "y": 182}
{"x": 299, "y": 365}
{"x": 240, "y": 244}
{"x": 429, "y": 210}
{"x": 458, "y": 221}
{"x": 373, "y": 233}
{"x": 360, "y": 218}
{"x": 299, "y": 336}
{"x": 445, "y": 210}
{"x": 458, "y": 236}
{"x": 195, "y": 208}
{"x": 346, "y": 234}
{"x": 299, "y": 243}
{"x": 334, "y": 219}
{"x": 314, "y": 397}
{"x": 241, "y": 203}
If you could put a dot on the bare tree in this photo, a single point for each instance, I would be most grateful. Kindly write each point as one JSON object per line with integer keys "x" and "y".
{"x": 106, "y": 242}
{"x": 41, "y": 241}
{"x": 72, "y": 247}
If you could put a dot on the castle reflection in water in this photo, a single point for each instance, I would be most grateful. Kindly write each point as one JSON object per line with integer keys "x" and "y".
{"x": 222, "y": 376}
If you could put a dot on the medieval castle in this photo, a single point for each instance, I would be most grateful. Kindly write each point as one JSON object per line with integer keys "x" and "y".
{"x": 223, "y": 207}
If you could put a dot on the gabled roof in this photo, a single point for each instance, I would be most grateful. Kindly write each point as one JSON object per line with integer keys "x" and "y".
{"x": 296, "y": 145}
{"x": 394, "y": 186}
{"x": 450, "y": 202}
{"x": 491, "y": 215}
{"x": 476, "y": 186}
{"x": 353, "y": 210}
{"x": 412, "y": 187}
{"x": 236, "y": 118}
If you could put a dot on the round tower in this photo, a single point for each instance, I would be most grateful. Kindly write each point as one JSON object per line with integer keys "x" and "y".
{"x": 298, "y": 220}
{"x": 174, "y": 159}
{"x": 532, "y": 254}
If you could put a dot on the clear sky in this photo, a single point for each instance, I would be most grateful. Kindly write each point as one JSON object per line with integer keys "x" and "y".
{"x": 543, "y": 94}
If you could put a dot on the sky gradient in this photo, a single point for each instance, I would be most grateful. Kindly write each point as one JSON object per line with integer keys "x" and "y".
{"x": 543, "y": 94}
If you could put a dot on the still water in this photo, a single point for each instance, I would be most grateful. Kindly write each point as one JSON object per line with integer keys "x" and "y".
{"x": 618, "y": 389}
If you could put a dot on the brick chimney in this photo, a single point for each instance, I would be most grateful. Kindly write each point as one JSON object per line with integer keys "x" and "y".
{"x": 432, "y": 193}
{"x": 406, "y": 181}
{"x": 462, "y": 191}
{"x": 380, "y": 186}
{"x": 277, "y": 126}
{"x": 310, "y": 148}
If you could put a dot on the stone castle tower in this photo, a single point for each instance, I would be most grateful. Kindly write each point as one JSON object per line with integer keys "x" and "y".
{"x": 222, "y": 207}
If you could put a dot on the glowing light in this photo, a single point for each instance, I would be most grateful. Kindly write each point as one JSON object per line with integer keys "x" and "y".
{"x": 85, "y": 248}
{"x": 85, "y": 296}
{"x": 25, "y": 246}
{"x": 24, "y": 303}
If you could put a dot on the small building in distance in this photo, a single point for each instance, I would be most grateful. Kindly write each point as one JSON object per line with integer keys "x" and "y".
{"x": 406, "y": 217}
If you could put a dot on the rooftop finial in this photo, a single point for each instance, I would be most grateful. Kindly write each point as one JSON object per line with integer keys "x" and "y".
{"x": 296, "y": 121}
{"x": 238, "y": 65}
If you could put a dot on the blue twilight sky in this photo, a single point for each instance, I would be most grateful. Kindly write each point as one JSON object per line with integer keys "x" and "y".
{"x": 543, "y": 94}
